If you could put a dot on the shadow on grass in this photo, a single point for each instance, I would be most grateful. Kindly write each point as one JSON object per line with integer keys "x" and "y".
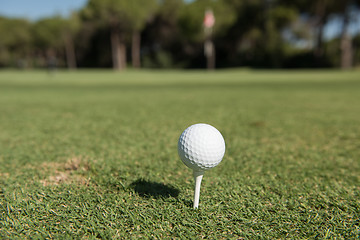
{"x": 149, "y": 189}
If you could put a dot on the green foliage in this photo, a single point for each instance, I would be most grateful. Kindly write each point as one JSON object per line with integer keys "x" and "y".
{"x": 122, "y": 14}
{"x": 141, "y": 11}
{"x": 14, "y": 33}
{"x": 170, "y": 10}
{"x": 161, "y": 60}
{"x": 246, "y": 33}
{"x": 283, "y": 16}
{"x": 357, "y": 50}
{"x": 48, "y": 32}
{"x": 15, "y": 40}
{"x": 93, "y": 154}
{"x": 72, "y": 25}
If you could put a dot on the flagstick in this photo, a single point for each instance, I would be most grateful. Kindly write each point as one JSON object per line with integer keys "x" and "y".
{"x": 209, "y": 49}
{"x": 198, "y": 175}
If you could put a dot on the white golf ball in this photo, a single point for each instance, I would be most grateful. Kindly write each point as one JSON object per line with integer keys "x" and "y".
{"x": 201, "y": 147}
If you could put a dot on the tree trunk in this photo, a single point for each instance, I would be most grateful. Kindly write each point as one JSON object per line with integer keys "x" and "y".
{"x": 209, "y": 51}
{"x": 122, "y": 55}
{"x": 118, "y": 51}
{"x": 322, "y": 18}
{"x": 345, "y": 43}
{"x": 319, "y": 50}
{"x": 70, "y": 53}
{"x": 135, "y": 49}
{"x": 211, "y": 57}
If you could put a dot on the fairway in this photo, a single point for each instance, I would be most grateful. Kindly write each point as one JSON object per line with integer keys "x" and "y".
{"x": 93, "y": 154}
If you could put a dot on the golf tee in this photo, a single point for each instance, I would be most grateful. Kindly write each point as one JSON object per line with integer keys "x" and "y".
{"x": 197, "y": 177}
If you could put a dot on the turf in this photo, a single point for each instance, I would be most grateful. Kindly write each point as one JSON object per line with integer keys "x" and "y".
{"x": 93, "y": 154}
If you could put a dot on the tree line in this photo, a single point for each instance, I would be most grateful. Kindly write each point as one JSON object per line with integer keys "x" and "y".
{"x": 170, "y": 34}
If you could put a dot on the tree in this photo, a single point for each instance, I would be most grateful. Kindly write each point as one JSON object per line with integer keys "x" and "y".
{"x": 318, "y": 13}
{"x": 141, "y": 11}
{"x": 69, "y": 28}
{"x": 110, "y": 13}
{"x": 54, "y": 36}
{"x": 122, "y": 17}
{"x": 15, "y": 41}
{"x": 164, "y": 29}
{"x": 346, "y": 48}
{"x": 277, "y": 18}
{"x": 256, "y": 36}
{"x": 161, "y": 36}
{"x": 356, "y": 42}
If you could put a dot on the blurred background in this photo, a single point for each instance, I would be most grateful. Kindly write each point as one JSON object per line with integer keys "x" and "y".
{"x": 182, "y": 34}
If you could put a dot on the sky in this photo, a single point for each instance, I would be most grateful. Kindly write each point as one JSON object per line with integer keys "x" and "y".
{"x": 36, "y": 9}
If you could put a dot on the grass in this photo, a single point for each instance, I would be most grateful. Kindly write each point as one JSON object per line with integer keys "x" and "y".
{"x": 93, "y": 154}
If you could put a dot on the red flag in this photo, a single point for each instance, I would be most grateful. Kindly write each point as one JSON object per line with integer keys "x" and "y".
{"x": 209, "y": 19}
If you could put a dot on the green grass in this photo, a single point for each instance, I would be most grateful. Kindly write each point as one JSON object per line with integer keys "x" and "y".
{"x": 93, "y": 154}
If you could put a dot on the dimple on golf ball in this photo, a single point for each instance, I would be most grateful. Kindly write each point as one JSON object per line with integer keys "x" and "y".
{"x": 201, "y": 147}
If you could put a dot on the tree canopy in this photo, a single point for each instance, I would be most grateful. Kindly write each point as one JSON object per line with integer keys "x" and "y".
{"x": 170, "y": 33}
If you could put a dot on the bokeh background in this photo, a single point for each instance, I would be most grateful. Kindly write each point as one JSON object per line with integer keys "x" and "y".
{"x": 92, "y": 153}
{"x": 170, "y": 33}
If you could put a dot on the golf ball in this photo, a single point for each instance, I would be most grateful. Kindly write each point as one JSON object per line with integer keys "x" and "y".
{"x": 201, "y": 147}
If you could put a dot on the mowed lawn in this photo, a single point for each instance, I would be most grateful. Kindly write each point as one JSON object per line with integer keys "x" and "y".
{"x": 93, "y": 154}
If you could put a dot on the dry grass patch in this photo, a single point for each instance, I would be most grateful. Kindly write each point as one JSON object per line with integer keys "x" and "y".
{"x": 4, "y": 175}
{"x": 70, "y": 172}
